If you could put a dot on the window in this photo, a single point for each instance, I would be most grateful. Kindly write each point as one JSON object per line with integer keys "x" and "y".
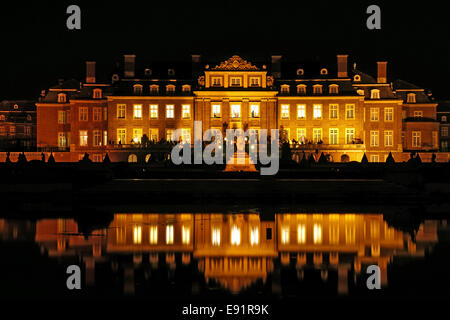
{"x": 317, "y": 111}
{"x": 334, "y": 111}
{"x": 215, "y": 236}
{"x": 122, "y": 136}
{"x": 349, "y": 111}
{"x": 434, "y": 137}
{"x": 186, "y": 88}
{"x": 235, "y": 81}
{"x": 301, "y": 111}
{"x": 185, "y": 235}
{"x": 61, "y": 117}
{"x": 374, "y": 158}
{"x": 444, "y": 131}
{"x": 62, "y": 142}
{"x": 97, "y": 93}
{"x": 416, "y": 137}
{"x": 62, "y": 97}
{"x": 444, "y": 118}
{"x": 444, "y": 146}
{"x": 105, "y": 138}
{"x": 121, "y": 111}
{"x": 411, "y": 98}
{"x": 153, "y": 111}
{"x": 334, "y": 89}
{"x": 186, "y": 135}
{"x": 83, "y": 113}
{"x": 360, "y": 92}
{"x": 374, "y": 114}
{"x": 317, "y": 135}
{"x": 317, "y": 233}
{"x": 12, "y": 130}
{"x": 323, "y": 71}
{"x": 301, "y": 89}
{"x": 254, "y": 111}
{"x": 388, "y": 138}
{"x": 154, "y": 134}
{"x": 317, "y": 89}
{"x": 254, "y": 82}
{"x": 388, "y": 114}
{"x": 28, "y": 131}
{"x": 216, "y": 81}
{"x": 105, "y": 114}
{"x": 334, "y": 136}
{"x": 137, "y": 111}
{"x": 169, "y": 134}
{"x": 254, "y": 235}
{"x": 97, "y": 138}
{"x": 374, "y": 94}
{"x": 186, "y": 111}
{"x": 83, "y": 138}
{"x": 215, "y": 109}
{"x": 301, "y": 135}
{"x": 98, "y": 114}
{"x": 154, "y": 89}
{"x": 285, "y": 235}
{"x": 170, "y": 111}
{"x": 170, "y": 88}
{"x": 418, "y": 114}
{"x": 2, "y": 117}
{"x": 235, "y": 110}
{"x": 357, "y": 77}
{"x": 235, "y": 236}
{"x": 137, "y": 89}
{"x": 374, "y": 139}
{"x": 169, "y": 234}
{"x": 284, "y": 88}
{"x": 137, "y": 135}
{"x": 2, "y": 131}
{"x": 284, "y": 111}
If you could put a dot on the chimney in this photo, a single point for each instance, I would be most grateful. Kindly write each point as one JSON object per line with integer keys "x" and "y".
{"x": 342, "y": 65}
{"x": 129, "y": 60}
{"x": 90, "y": 71}
{"x": 196, "y": 59}
{"x": 382, "y": 72}
{"x": 276, "y": 66}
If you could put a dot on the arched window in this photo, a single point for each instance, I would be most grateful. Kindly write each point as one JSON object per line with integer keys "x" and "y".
{"x": 284, "y": 88}
{"x": 97, "y": 93}
{"x": 357, "y": 77}
{"x": 170, "y": 88}
{"x": 324, "y": 71}
{"x": 334, "y": 88}
{"x": 317, "y": 89}
{"x": 132, "y": 158}
{"x": 301, "y": 89}
{"x": 186, "y": 88}
{"x": 137, "y": 89}
{"x": 374, "y": 94}
{"x": 300, "y": 72}
{"x": 444, "y": 118}
{"x": 154, "y": 89}
{"x": 62, "y": 98}
{"x": 411, "y": 98}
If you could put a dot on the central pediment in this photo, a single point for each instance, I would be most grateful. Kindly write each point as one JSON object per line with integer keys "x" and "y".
{"x": 235, "y": 63}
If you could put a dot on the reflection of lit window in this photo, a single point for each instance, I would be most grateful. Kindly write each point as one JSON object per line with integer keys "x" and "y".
{"x": 169, "y": 234}
{"x": 186, "y": 235}
{"x": 285, "y": 235}
{"x": 334, "y": 234}
{"x": 215, "y": 237}
{"x": 235, "y": 236}
{"x": 374, "y": 229}
{"x": 349, "y": 234}
{"x": 121, "y": 235}
{"x": 301, "y": 233}
{"x": 153, "y": 235}
{"x": 137, "y": 234}
{"x": 254, "y": 235}
{"x": 317, "y": 233}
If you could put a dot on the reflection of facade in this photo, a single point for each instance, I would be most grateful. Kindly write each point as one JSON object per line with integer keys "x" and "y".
{"x": 239, "y": 250}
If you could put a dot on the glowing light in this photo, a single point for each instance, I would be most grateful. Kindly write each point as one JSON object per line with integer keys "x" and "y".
{"x": 137, "y": 234}
{"x": 169, "y": 234}
{"x": 301, "y": 233}
{"x": 153, "y": 235}
{"x": 215, "y": 237}
{"x": 254, "y": 236}
{"x": 235, "y": 236}
{"x": 186, "y": 235}
{"x": 285, "y": 235}
{"x": 317, "y": 233}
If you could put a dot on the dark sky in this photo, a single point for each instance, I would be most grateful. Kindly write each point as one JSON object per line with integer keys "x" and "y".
{"x": 37, "y": 48}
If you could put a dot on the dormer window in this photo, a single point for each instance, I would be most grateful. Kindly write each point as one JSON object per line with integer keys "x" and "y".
{"x": 61, "y": 97}
{"x": 334, "y": 89}
{"x": 170, "y": 88}
{"x": 374, "y": 94}
{"x": 418, "y": 114}
{"x": 411, "y": 98}
{"x": 148, "y": 72}
{"x": 317, "y": 89}
{"x": 186, "y": 88}
{"x": 324, "y": 72}
{"x": 300, "y": 72}
{"x": 357, "y": 78}
{"x": 254, "y": 82}
{"x": 360, "y": 92}
{"x": 154, "y": 89}
{"x": 171, "y": 72}
{"x": 301, "y": 89}
{"x": 216, "y": 81}
{"x": 284, "y": 88}
{"x": 137, "y": 89}
{"x": 2, "y": 117}
{"x": 16, "y": 106}
{"x": 235, "y": 81}
{"x": 444, "y": 118}
{"x": 28, "y": 118}
{"x": 97, "y": 93}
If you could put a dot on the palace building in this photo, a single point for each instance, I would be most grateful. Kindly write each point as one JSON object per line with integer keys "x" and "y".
{"x": 339, "y": 111}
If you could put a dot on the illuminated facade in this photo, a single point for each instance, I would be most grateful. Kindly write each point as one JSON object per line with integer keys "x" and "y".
{"x": 343, "y": 113}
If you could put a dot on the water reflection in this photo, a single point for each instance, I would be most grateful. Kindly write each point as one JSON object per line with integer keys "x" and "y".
{"x": 231, "y": 252}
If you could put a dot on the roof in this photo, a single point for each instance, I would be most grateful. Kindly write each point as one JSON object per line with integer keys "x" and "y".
{"x": 23, "y": 105}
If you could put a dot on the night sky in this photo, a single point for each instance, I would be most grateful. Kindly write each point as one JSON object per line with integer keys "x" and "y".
{"x": 37, "y": 48}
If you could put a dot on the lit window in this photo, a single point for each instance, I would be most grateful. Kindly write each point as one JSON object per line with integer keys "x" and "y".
{"x": 349, "y": 111}
{"x": 98, "y": 114}
{"x": 186, "y": 111}
{"x": 215, "y": 236}
{"x": 357, "y": 77}
{"x": 121, "y": 111}
{"x": 301, "y": 135}
{"x": 388, "y": 138}
{"x": 83, "y": 138}
{"x": 137, "y": 235}
{"x": 137, "y": 111}
{"x": 235, "y": 236}
{"x": 374, "y": 114}
{"x": 62, "y": 143}
{"x": 215, "y": 109}
{"x": 334, "y": 136}
{"x": 254, "y": 236}
{"x": 153, "y": 134}
{"x": 154, "y": 111}
{"x": 418, "y": 114}
{"x": 334, "y": 111}
{"x": 121, "y": 136}
{"x": 284, "y": 111}
{"x": 411, "y": 98}
{"x": 186, "y": 135}
{"x": 169, "y": 134}
{"x": 83, "y": 113}
{"x": 301, "y": 89}
{"x": 388, "y": 114}
{"x": 374, "y": 139}
{"x": 317, "y": 234}
{"x": 349, "y": 135}
{"x": 317, "y": 135}
{"x": 153, "y": 235}
{"x": 137, "y": 135}
{"x": 334, "y": 233}
{"x": 185, "y": 235}
{"x": 105, "y": 138}
{"x": 97, "y": 138}
{"x": 360, "y": 92}
{"x": 317, "y": 89}
{"x": 301, "y": 111}
{"x": 235, "y": 110}
{"x": 137, "y": 89}
{"x": 285, "y": 235}
{"x": 62, "y": 97}
{"x": 254, "y": 82}
{"x": 374, "y": 94}
{"x": 254, "y": 111}
{"x": 334, "y": 89}
{"x": 416, "y": 136}
{"x": 235, "y": 81}
{"x": 444, "y": 131}
{"x": 61, "y": 117}
{"x": 170, "y": 111}
{"x": 317, "y": 111}
{"x": 301, "y": 234}
{"x": 169, "y": 234}
{"x": 97, "y": 93}
{"x": 374, "y": 158}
